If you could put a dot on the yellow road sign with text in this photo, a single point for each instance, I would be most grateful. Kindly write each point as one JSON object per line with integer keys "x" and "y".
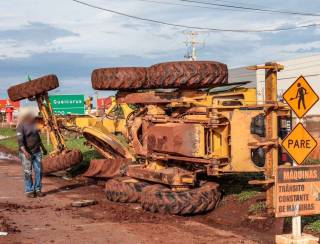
{"x": 299, "y": 143}
{"x": 300, "y": 97}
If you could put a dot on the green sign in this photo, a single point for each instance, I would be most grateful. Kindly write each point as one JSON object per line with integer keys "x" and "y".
{"x": 67, "y": 104}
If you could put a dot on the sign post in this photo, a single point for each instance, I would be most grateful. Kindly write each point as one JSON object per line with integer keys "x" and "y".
{"x": 298, "y": 187}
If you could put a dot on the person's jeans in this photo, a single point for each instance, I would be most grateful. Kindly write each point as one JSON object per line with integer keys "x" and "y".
{"x": 35, "y": 163}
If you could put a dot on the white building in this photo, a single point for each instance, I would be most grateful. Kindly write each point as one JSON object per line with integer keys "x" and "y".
{"x": 309, "y": 67}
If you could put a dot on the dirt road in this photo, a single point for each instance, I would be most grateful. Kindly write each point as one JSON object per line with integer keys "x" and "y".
{"x": 53, "y": 220}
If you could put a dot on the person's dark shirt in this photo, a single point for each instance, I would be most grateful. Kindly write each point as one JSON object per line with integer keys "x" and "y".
{"x": 29, "y": 137}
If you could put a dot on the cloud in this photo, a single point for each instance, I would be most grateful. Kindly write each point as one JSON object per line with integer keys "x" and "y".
{"x": 32, "y": 38}
{"x": 73, "y": 69}
{"x": 69, "y": 39}
{"x": 35, "y": 32}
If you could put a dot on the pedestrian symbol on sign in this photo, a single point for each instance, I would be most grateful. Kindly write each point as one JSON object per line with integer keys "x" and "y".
{"x": 301, "y": 92}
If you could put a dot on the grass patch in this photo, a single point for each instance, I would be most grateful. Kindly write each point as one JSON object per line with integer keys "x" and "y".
{"x": 11, "y": 142}
{"x": 257, "y": 207}
{"x": 7, "y": 132}
{"x": 311, "y": 161}
{"x": 309, "y": 223}
{"x": 314, "y": 226}
{"x": 234, "y": 184}
{"x": 246, "y": 195}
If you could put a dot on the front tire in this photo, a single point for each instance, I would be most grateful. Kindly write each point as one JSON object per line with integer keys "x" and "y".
{"x": 124, "y": 189}
{"x": 33, "y": 88}
{"x": 157, "y": 198}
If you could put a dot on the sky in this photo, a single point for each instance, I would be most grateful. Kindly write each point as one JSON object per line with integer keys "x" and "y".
{"x": 39, "y": 37}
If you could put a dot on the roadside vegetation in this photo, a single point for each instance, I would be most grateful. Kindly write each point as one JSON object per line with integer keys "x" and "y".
{"x": 246, "y": 195}
{"x": 311, "y": 161}
{"x": 313, "y": 225}
{"x": 10, "y": 142}
{"x": 258, "y": 207}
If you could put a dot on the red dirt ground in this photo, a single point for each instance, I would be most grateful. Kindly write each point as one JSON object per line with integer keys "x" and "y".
{"x": 52, "y": 220}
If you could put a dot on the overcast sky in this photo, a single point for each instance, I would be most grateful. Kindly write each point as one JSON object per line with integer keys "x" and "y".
{"x": 38, "y": 37}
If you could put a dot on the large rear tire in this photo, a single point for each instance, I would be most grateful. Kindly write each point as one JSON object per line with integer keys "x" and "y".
{"x": 119, "y": 78}
{"x": 62, "y": 161}
{"x": 33, "y": 88}
{"x": 184, "y": 74}
{"x": 124, "y": 190}
{"x": 157, "y": 198}
{"x": 187, "y": 75}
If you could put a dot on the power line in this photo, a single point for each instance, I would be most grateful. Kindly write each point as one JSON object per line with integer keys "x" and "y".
{"x": 188, "y": 5}
{"x": 252, "y": 8}
{"x": 239, "y": 3}
{"x": 193, "y": 27}
{"x": 294, "y": 77}
{"x": 222, "y": 8}
{"x": 249, "y": 75}
{"x": 302, "y": 67}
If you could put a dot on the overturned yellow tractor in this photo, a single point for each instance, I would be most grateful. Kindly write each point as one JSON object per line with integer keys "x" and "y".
{"x": 173, "y": 125}
{"x": 183, "y": 122}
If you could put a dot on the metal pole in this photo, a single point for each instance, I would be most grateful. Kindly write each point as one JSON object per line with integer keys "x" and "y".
{"x": 271, "y": 165}
{"x": 296, "y": 227}
{"x": 296, "y": 221}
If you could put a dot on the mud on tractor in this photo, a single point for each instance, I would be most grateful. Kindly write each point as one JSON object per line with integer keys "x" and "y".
{"x": 173, "y": 125}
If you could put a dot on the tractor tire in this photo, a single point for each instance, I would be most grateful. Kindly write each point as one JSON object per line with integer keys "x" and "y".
{"x": 187, "y": 75}
{"x": 118, "y": 190}
{"x": 33, "y": 88}
{"x": 157, "y": 198}
{"x": 184, "y": 75}
{"x": 119, "y": 78}
{"x": 62, "y": 161}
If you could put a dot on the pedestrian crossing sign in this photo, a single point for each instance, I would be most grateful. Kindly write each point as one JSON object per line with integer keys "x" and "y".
{"x": 300, "y": 97}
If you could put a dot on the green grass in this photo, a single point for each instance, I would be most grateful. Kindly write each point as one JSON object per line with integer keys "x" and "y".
{"x": 236, "y": 183}
{"x": 314, "y": 226}
{"x": 246, "y": 195}
{"x": 257, "y": 207}
{"x": 311, "y": 161}
{"x": 7, "y": 132}
{"x": 11, "y": 142}
{"x": 309, "y": 223}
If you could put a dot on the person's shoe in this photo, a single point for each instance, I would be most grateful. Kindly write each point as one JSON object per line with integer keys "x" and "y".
{"x": 30, "y": 195}
{"x": 40, "y": 194}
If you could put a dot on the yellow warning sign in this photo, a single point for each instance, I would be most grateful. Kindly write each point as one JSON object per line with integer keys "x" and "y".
{"x": 299, "y": 143}
{"x": 300, "y": 97}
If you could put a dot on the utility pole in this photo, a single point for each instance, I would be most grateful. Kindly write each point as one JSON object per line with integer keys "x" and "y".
{"x": 191, "y": 43}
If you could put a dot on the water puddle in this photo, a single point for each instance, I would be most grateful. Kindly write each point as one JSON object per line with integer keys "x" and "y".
{"x": 3, "y": 137}
{"x": 6, "y": 156}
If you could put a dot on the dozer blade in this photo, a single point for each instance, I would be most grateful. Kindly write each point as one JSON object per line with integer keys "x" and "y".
{"x": 107, "y": 144}
{"x": 107, "y": 168}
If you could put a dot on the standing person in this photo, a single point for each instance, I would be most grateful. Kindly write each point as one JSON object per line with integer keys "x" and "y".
{"x": 30, "y": 146}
